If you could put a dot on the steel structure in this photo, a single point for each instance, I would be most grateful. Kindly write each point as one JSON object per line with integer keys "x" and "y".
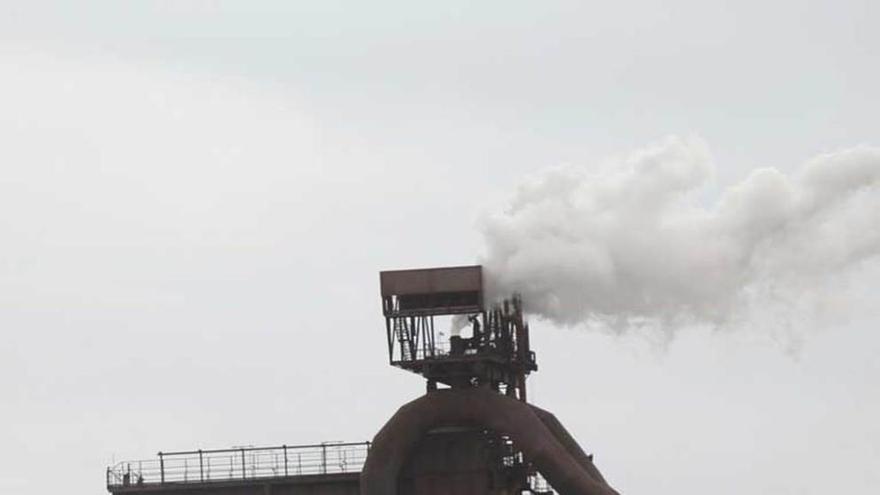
{"x": 495, "y": 354}
{"x": 482, "y": 346}
{"x": 472, "y": 433}
{"x": 243, "y": 463}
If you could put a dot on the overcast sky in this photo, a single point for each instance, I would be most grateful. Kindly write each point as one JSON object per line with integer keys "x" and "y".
{"x": 196, "y": 198}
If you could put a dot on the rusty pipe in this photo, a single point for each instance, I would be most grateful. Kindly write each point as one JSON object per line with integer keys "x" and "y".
{"x": 567, "y": 441}
{"x": 395, "y": 442}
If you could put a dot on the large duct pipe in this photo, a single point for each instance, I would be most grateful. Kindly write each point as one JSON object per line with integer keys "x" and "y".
{"x": 567, "y": 441}
{"x": 549, "y": 448}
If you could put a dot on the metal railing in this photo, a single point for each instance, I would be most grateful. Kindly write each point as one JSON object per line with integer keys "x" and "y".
{"x": 443, "y": 349}
{"x": 242, "y": 463}
{"x": 438, "y": 349}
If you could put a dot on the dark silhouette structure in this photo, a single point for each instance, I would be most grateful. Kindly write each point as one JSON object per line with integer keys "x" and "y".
{"x": 495, "y": 355}
{"x": 323, "y": 469}
{"x": 479, "y": 435}
{"x": 472, "y": 433}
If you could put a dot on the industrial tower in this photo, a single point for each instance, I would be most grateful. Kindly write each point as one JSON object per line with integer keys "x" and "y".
{"x": 472, "y": 433}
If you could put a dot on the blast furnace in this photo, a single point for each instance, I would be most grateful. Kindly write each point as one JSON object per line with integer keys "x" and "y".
{"x": 472, "y": 433}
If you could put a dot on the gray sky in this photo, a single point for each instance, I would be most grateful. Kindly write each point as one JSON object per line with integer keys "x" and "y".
{"x": 196, "y": 198}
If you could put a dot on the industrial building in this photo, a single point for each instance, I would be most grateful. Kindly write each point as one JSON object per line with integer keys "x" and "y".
{"x": 472, "y": 433}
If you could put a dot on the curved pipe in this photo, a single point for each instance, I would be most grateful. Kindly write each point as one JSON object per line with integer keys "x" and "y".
{"x": 395, "y": 442}
{"x": 567, "y": 441}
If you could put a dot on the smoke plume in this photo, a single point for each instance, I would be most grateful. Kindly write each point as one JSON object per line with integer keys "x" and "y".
{"x": 637, "y": 244}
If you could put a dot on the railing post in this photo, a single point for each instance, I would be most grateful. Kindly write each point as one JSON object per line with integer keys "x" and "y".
{"x": 243, "y": 468}
{"x": 285, "y": 459}
{"x": 324, "y": 458}
{"x": 201, "y": 467}
{"x": 161, "y": 469}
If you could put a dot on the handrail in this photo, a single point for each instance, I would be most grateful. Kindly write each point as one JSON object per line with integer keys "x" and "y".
{"x": 252, "y": 449}
{"x": 242, "y": 463}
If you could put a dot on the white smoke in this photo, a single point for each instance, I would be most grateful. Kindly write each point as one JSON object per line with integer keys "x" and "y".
{"x": 458, "y": 323}
{"x": 634, "y": 244}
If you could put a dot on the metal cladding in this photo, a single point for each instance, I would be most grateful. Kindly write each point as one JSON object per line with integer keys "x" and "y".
{"x": 432, "y": 291}
{"x": 536, "y": 432}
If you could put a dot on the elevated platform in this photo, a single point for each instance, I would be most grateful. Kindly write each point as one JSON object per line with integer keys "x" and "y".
{"x": 437, "y": 325}
{"x": 314, "y": 484}
{"x": 322, "y": 469}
